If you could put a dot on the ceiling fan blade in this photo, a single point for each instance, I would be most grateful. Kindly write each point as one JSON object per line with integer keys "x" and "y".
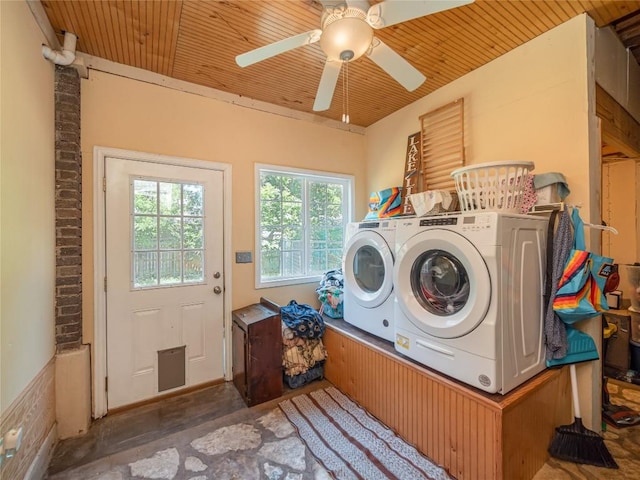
{"x": 327, "y": 86}
{"x": 276, "y": 48}
{"x": 396, "y": 66}
{"x": 390, "y": 12}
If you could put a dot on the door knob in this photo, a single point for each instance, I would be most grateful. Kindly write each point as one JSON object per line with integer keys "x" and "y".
{"x": 217, "y": 290}
{"x": 216, "y": 275}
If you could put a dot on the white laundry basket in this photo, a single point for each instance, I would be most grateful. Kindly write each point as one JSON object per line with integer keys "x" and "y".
{"x": 494, "y": 186}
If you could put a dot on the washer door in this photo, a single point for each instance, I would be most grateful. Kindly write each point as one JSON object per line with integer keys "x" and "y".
{"x": 442, "y": 283}
{"x": 368, "y": 268}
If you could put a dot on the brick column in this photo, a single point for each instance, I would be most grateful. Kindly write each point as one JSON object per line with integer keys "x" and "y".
{"x": 68, "y": 206}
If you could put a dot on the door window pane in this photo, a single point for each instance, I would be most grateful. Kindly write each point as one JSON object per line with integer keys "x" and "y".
{"x": 193, "y": 267}
{"x": 170, "y": 268}
{"x": 145, "y": 232}
{"x": 192, "y": 200}
{"x": 193, "y": 233}
{"x": 168, "y": 233}
{"x": 170, "y": 198}
{"x": 146, "y": 197}
{"x": 145, "y": 272}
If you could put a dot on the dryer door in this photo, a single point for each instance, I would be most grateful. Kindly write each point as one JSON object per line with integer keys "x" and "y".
{"x": 368, "y": 268}
{"x": 442, "y": 283}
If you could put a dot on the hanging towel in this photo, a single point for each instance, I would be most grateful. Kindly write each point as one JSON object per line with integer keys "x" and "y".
{"x": 554, "y": 328}
{"x": 543, "y": 179}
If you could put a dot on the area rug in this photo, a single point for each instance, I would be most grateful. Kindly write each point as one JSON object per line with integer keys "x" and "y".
{"x": 350, "y": 443}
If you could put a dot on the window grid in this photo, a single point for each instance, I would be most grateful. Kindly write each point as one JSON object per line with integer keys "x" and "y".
{"x": 167, "y": 241}
{"x": 316, "y": 247}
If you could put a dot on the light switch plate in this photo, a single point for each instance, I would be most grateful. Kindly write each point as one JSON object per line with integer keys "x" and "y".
{"x": 244, "y": 257}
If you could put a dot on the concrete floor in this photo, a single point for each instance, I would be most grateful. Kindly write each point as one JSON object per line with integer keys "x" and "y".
{"x": 152, "y": 441}
{"x": 210, "y": 433}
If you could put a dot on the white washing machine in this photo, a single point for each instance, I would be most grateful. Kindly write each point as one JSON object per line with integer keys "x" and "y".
{"x": 469, "y": 296}
{"x": 368, "y": 301}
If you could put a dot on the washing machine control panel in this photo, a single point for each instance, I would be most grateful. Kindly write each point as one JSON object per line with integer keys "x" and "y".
{"x": 428, "y": 222}
{"x": 369, "y": 225}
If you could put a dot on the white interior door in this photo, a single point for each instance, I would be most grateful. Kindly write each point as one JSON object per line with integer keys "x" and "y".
{"x": 164, "y": 278}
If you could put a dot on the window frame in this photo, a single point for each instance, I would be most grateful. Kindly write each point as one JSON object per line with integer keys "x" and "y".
{"x": 348, "y": 209}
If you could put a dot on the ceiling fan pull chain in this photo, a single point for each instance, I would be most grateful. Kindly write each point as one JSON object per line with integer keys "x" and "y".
{"x": 347, "y": 72}
{"x": 345, "y": 93}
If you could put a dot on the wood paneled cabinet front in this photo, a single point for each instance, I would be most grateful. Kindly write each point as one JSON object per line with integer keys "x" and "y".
{"x": 257, "y": 352}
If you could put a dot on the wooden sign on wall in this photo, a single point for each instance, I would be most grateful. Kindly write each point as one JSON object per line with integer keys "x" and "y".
{"x": 411, "y": 183}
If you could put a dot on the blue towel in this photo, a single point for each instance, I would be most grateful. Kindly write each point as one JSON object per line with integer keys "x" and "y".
{"x": 304, "y": 320}
{"x": 543, "y": 179}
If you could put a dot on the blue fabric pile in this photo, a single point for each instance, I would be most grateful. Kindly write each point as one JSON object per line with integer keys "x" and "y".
{"x": 330, "y": 293}
{"x": 304, "y": 320}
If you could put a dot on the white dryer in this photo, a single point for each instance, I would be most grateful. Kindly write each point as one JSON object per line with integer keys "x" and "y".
{"x": 469, "y": 296}
{"x": 367, "y": 265}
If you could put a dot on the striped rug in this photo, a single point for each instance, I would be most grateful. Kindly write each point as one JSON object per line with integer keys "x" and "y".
{"x": 352, "y": 444}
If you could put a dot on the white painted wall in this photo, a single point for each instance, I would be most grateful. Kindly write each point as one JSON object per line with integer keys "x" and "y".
{"x": 27, "y": 216}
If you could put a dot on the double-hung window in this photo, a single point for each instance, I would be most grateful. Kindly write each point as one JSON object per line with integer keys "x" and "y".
{"x": 301, "y": 217}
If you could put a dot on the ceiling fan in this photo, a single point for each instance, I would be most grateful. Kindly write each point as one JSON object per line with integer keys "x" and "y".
{"x": 347, "y": 34}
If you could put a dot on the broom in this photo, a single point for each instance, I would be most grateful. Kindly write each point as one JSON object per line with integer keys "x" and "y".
{"x": 576, "y": 443}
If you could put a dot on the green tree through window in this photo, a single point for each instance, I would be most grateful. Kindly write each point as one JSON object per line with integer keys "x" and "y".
{"x": 301, "y": 224}
{"x": 168, "y": 233}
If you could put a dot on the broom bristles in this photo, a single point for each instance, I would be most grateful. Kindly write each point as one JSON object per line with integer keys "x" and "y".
{"x": 577, "y": 444}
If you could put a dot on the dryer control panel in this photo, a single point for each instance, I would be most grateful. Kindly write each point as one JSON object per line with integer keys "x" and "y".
{"x": 370, "y": 225}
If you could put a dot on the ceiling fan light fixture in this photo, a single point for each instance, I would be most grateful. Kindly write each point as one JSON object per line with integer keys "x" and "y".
{"x": 346, "y": 33}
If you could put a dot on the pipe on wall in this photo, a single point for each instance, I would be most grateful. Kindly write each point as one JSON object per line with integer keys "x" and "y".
{"x": 68, "y": 53}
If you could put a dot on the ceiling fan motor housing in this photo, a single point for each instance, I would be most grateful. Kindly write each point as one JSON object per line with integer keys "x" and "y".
{"x": 346, "y": 35}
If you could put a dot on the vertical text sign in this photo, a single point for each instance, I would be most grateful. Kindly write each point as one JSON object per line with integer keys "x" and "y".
{"x": 411, "y": 172}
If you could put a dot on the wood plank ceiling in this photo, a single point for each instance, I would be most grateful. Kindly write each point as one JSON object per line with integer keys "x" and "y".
{"x": 197, "y": 41}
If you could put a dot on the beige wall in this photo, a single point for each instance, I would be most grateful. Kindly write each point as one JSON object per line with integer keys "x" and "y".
{"x": 128, "y": 114}
{"x": 620, "y": 208}
{"x": 27, "y": 223}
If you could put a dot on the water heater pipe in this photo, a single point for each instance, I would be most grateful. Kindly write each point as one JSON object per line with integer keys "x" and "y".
{"x": 68, "y": 54}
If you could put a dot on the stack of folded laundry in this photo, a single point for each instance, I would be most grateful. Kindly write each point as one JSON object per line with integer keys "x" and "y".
{"x": 303, "y": 352}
